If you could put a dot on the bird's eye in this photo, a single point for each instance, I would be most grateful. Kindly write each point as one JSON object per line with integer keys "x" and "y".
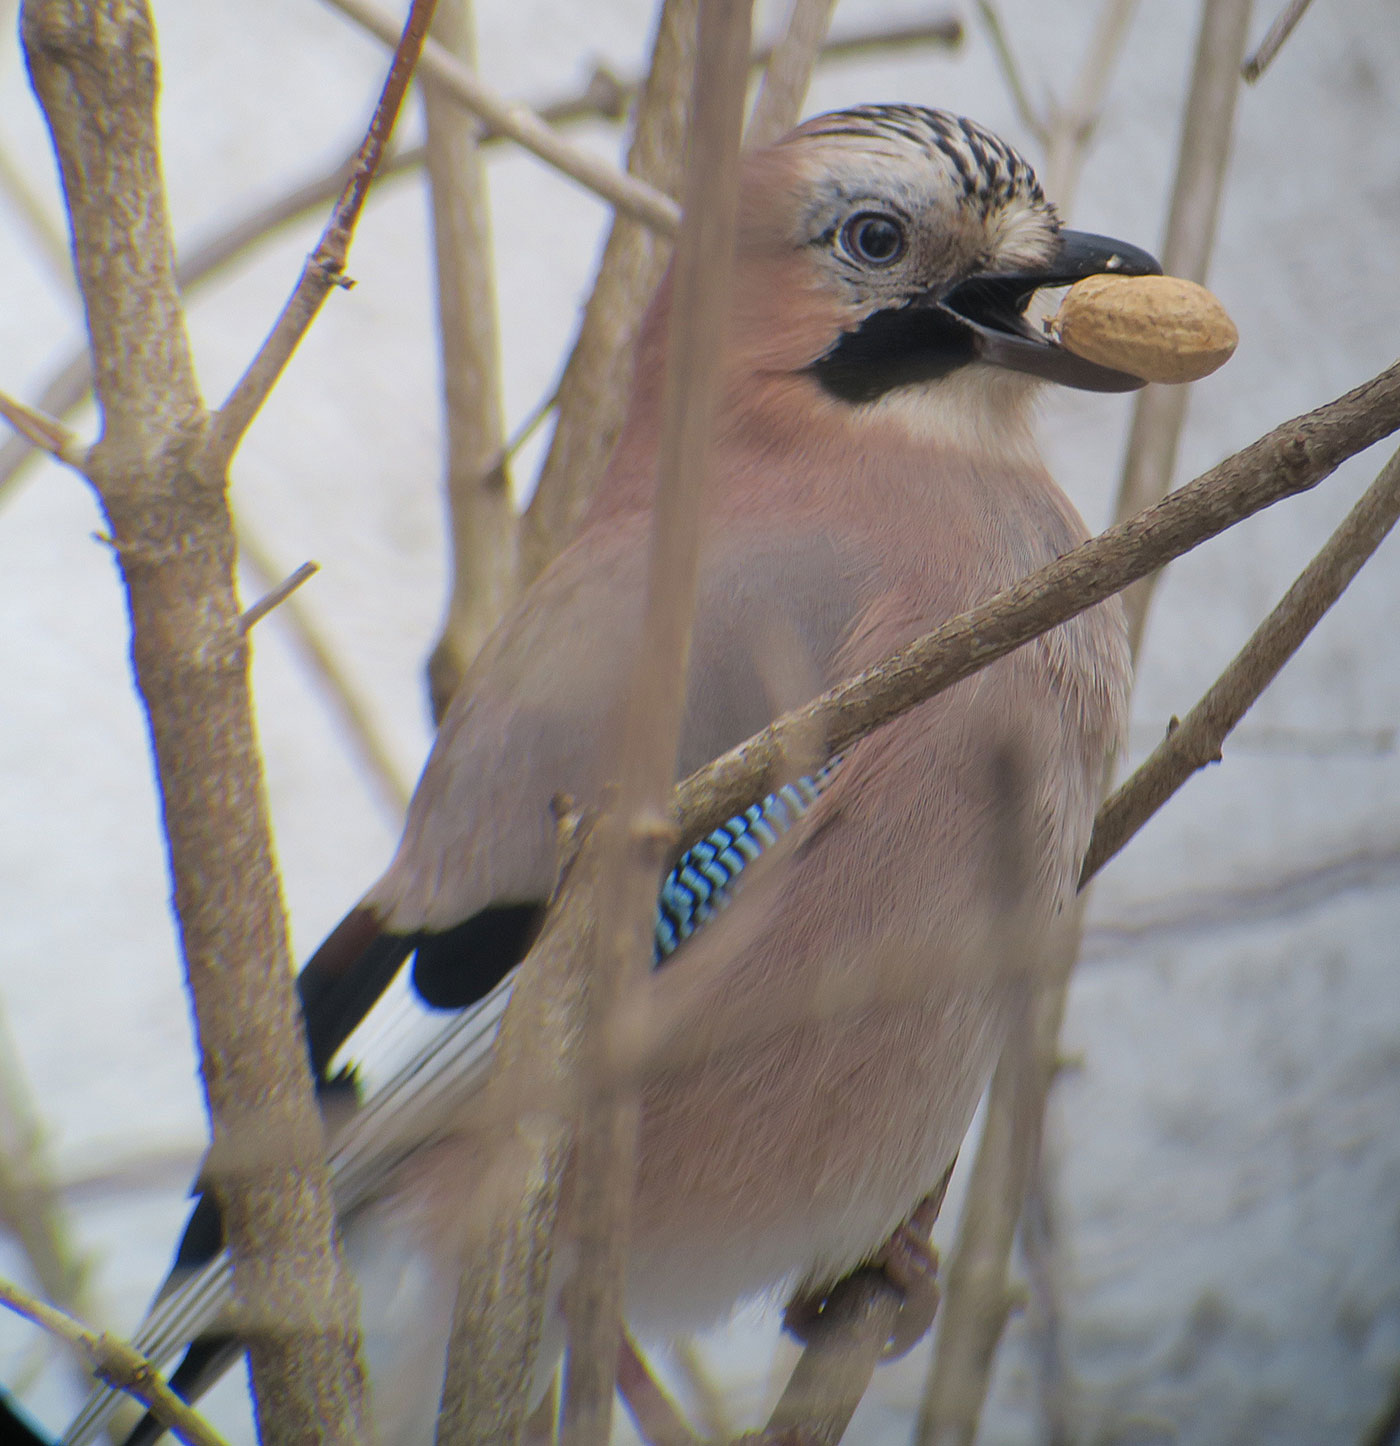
{"x": 874, "y": 238}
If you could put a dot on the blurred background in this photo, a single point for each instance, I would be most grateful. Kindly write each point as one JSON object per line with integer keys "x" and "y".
{"x": 1215, "y": 1252}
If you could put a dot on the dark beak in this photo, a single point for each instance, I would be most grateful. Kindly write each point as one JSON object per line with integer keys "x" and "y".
{"x": 993, "y": 309}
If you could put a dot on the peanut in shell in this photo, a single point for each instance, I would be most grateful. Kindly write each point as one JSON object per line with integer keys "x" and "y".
{"x": 1160, "y": 328}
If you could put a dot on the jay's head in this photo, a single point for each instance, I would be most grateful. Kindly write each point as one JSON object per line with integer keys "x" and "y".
{"x": 893, "y": 249}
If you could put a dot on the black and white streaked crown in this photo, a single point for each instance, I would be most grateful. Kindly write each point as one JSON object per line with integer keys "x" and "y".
{"x": 990, "y": 172}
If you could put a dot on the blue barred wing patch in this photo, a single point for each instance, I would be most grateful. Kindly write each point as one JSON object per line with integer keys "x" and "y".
{"x": 704, "y": 877}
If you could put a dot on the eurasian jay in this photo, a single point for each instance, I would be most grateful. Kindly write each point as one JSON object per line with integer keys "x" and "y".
{"x": 840, "y": 995}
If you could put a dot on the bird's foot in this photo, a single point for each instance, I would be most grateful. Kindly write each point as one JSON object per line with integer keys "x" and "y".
{"x": 910, "y": 1264}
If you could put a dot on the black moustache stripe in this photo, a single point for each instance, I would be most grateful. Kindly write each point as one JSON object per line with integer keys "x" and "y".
{"x": 895, "y": 348}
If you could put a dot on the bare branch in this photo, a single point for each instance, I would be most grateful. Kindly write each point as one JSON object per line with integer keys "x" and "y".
{"x": 31, "y": 1202}
{"x": 1196, "y": 741}
{"x": 325, "y": 267}
{"x": 632, "y": 844}
{"x": 945, "y": 32}
{"x": 1296, "y": 888}
{"x": 43, "y": 432}
{"x": 710, "y": 1394}
{"x": 525, "y": 128}
{"x": 977, "y": 1297}
{"x": 834, "y": 1370}
{"x": 1072, "y": 125}
{"x": 597, "y": 380}
{"x": 166, "y": 508}
{"x": 1273, "y": 40}
{"x": 603, "y": 96}
{"x": 250, "y": 617}
{"x": 318, "y": 658}
{"x": 1026, "y": 111}
{"x": 1202, "y": 160}
{"x": 484, "y": 534}
{"x": 117, "y": 1364}
{"x": 1292, "y": 458}
{"x": 52, "y": 242}
{"x": 653, "y": 1412}
{"x": 64, "y": 391}
{"x": 501, "y": 1300}
{"x": 789, "y": 72}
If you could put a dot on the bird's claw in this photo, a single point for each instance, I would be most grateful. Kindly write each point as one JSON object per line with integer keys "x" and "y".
{"x": 910, "y": 1264}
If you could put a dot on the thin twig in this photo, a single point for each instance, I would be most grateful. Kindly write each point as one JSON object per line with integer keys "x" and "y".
{"x": 1026, "y": 111}
{"x": 1291, "y": 890}
{"x": 526, "y": 128}
{"x": 51, "y": 240}
{"x": 710, "y": 1397}
{"x": 1203, "y": 157}
{"x": 789, "y": 72}
{"x": 979, "y": 1297}
{"x": 1072, "y": 125}
{"x": 484, "y": 535}
{"x": 597, "y": 379}
{"x": 1255, "y": 65}
{"x": 117, "y": 1364}
{"x": 284, "y": 589}
{"x": 325, "y": 267}
{"x": 31, "y": 1203}
{"x": 607, "y": 1124}
{"x": 43, "y": 431}
{"x": 319, "y": 659}
{"x": 198, "y": 263}
{"x": 653, "y": 1412}
{"x": 1196, "y": 741}
{"x": 70, "y": 385}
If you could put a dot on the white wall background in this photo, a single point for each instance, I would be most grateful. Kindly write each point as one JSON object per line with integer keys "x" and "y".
{"x": 1225, "y": 1158}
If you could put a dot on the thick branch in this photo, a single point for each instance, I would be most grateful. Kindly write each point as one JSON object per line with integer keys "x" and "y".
{"x": 94, "y": 69}
{"x": 1195, "y": 742}
{"x": 117, "y": 1364}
